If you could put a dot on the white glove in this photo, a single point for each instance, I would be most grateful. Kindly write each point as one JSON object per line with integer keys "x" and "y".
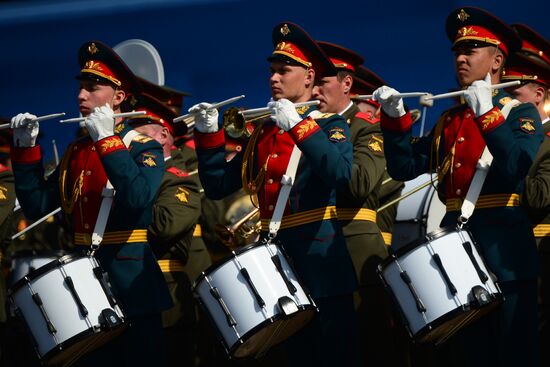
{"x": 479, "y": 96}
{"x": 392, "y": 105}
{"x": 206, "y": 118}
{"x": 100, "y": 123}
{"x": 25, "y": 130}
{"x": 284, "y": 114}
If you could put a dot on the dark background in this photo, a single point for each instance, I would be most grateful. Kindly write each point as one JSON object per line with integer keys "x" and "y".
{"x": 218, "y": 49}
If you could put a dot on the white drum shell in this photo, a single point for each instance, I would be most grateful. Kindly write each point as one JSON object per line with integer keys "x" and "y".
{"x": 22, "y": 266}
{"x": 238, "y": 296}
{"x": 60, "y": 305}
{"x": 429, "y": 282}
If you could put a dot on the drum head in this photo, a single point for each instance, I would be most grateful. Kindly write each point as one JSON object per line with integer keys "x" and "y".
{"x": 142, "y": 58}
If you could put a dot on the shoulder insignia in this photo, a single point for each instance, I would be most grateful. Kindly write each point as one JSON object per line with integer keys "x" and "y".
{"x": 3, "y": 192}
{"x": 119, "y": 128}
{"x": 336, "y": 134}
{"x": 177, "y": 172}
{"x": 505, "y": 100}
{"x": 527, "y": 125}
{"x": 148, "y": 159}
{"x": 142, "y": 138}
{"x": 182, "y": 195}
{"x": 376, "y": 144}
{"x": 325, "y": 115}
{"x": 368, "y": 117}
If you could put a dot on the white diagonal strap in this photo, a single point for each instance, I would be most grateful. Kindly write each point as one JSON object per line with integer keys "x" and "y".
{"x": 286, "y": 184}
{"x": 483, "y": 165}
{"x": 108, "y": 193}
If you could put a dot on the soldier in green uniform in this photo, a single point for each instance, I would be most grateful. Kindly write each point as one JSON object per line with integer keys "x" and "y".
{"x": 531, "y": 65}
{"x": 135, "y": 169}
{"x": 501, "y": 228}
{"x": 357, "y": 203}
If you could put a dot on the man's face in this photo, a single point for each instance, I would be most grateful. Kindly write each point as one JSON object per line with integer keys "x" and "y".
{"x": 525, "y": 93}
{"x": 473, "y": 63}
{"x": 331, "y": 95}
{"x": 367, "y": 108}
{"x": 154, "y": 131}
{"x": 288, "y": 81}
{"x": 93, "y": 94}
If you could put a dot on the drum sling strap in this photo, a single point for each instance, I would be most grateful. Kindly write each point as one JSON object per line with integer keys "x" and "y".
{"x": 483, "y": 165}
{"x": 108, "y": 193}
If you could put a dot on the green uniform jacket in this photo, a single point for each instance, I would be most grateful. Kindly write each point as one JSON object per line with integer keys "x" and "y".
{"x": 536, "y": 196}
{"x": 385, "y": 219}
{"x": 364, "y": 240}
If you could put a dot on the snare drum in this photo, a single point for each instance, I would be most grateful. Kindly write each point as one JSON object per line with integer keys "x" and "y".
{"x": 254, "y": 300}
{"x": 440, "y": 285}
{"x": 68, "y": 308}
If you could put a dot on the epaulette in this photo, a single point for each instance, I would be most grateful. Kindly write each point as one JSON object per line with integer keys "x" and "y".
{"x": 368, "y": 117}
{"x": 141, "y": 138}
{"x": 324, "y": 115}
{"x": 177, "y": 172}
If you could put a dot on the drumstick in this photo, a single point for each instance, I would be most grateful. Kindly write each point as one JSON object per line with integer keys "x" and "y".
{"x": 213, "y": 106}
{"x": 38, "y": 119}
{"x": 407, "y": 194}
{"x": 262, "y": 110}
{"x": 35, "y": 223}
{"x": 398, "y": 95}
{"x": 116, "y": 115}
{"x": 461, "y": 92}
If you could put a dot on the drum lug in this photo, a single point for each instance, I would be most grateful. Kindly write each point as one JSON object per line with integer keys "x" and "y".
{"x": 419, "y": 304}
{"x": 446, "y": 278}
{"x": 246, "y": 276}
{"x": 480, "y": 273}
{"x": 101, "y": 277}
{"x": 287, "y": 306}
{"x": 38, "y": 301}
{"x": 216, "y": 294}
{"x": 277, "y": 261}
{"x": 81, "y": 308}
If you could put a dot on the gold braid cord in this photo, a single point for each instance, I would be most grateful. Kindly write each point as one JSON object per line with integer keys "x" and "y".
{"x": 447, "y": 163}
{"x": 252, "y": 185}
{"x": 67, "y": 203}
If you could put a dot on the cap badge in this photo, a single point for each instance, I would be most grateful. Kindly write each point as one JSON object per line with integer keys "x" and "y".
{"x": 462, "y": 15}
{"x": 286, "y": 47}
{"x": 465, "y": 31}
{"x": 285, "y": 30}
{"x": 92, "y": 48}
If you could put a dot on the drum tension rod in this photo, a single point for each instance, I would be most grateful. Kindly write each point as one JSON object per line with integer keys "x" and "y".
{"x": 36, "y": 298}
{"x": 216, "y": 294}
{"x": 101, "y": 275}
{"x": 480, "y": 273}
{"x": 441, "y": 268}
{"x": 81, "y": 308}
{"x": 246, "y": 276}
{"x": 277, "y": 261}
{"x": 419, "y": 305}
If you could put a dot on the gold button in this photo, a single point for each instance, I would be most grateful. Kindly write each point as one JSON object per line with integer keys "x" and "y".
{"x": 270, "y": 207}
{"x": 93, "y": 149}
{"x": 458, "y": 165}
{"x": 458, "y": 192}
{"x": 86, "y": 226}
{"x": 274, "y": 155}
{"x": 85, "y": 199}
{"x": 88, "y": 173}
{"x": 461, "y": 139}
{"x": 281, "y": 132}
{"x": 448, "y": 118}
{"x": 468, "y": 115}
{"x": 270, "y": 181}
{"x": 75, "y": 148}
{"x": 261, "y": 131}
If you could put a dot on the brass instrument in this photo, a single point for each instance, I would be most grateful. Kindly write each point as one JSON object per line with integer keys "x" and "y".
{"x": 243, "y": 232}
{"x": 237, "y": 125}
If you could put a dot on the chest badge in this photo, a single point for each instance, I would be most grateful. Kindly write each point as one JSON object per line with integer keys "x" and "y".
{"x": 182, "y": 195}
{"x": 527, "y": 125}
{"x": 375, "y": 144}
{"x": 337, "y": 134}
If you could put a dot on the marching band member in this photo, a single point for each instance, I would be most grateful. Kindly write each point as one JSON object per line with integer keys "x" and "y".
{"x": 481, "y": 43}
{"x": 310, "y": 231}
{"x": 357, "y": 203}
{"x": 531, "y": 65}
{"x": 76, "y": 185}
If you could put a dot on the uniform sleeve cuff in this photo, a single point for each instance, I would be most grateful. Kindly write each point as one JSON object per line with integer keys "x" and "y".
{"x": 397, "y": 124}
{"x": 490, "y": 120}
{"x": 26, "y": 155}
{"x": 209, "y": 140}
{"x": 109, "y": 145}
{"x": 304, "y": 129}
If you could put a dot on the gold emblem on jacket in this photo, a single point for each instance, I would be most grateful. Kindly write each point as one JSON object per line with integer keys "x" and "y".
{"x": 182, "y": 195}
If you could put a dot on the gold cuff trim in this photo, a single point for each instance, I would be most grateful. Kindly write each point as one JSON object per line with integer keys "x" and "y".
{"x": 387, "y": 238}
{"x": 356, "y": 214}
{"x": 171, "y": 266}
{"x": 198, "y": 231}
{"x": 113, "y": 238}
{"x": 309, "y": 216}
{"x": 486, "y": 201}
{"x": 542, "y": 230}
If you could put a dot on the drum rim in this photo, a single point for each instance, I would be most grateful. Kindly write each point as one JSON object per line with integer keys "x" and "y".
{"x": 43, "y": 270}
{"x": 83, "y": 335}
{"x": 225, "y": 259}
{"x": 415, "y": 243}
